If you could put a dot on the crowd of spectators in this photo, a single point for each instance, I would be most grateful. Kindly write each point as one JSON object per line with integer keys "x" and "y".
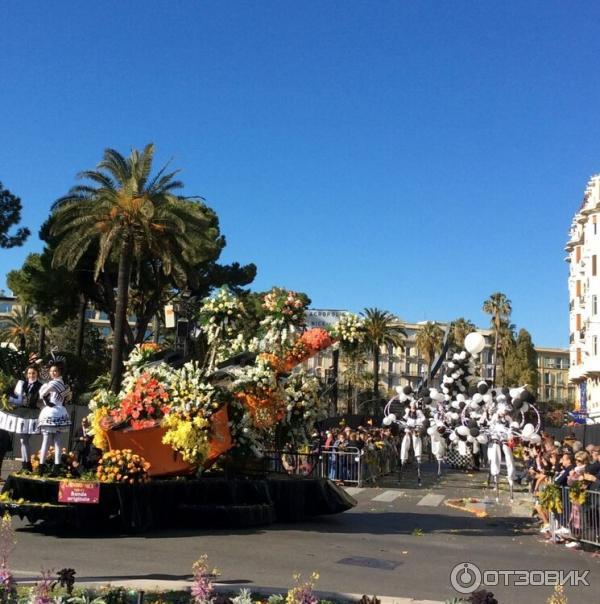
{"x": 374, "y": 449}
{"x": 563, "y": 464}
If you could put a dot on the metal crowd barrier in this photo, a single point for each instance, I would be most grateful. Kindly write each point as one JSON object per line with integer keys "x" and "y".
{"x": 349, "y": 465}
{"x": 583, "y": 521}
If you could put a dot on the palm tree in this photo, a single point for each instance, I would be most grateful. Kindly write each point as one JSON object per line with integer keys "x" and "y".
{"x": 20, "y": 326}
{"x": 131, "y": 218}
{"x": 459, "y": 329}
{"x": 429, "y": 340}
{"x": 499, "y": 307}
{"x": 381, "y": 328}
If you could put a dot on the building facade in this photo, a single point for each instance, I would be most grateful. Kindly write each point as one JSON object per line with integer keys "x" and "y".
{"x": 553, "y": 370}
{"x": 583, "y": 253}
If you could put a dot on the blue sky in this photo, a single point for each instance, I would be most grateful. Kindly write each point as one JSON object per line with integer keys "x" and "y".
{"x": 414, "y": 156}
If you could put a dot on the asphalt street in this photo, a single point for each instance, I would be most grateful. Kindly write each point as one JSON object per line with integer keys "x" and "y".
{"x": 399, "y": 541}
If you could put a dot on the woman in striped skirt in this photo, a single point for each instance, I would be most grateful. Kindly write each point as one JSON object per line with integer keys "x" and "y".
{"x": 53, "y": 418}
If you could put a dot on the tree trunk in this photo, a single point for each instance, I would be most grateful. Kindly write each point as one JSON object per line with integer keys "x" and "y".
{"x": 155, "y": 329}
{"x": 116, "y": 367}
{"x": 334, "y": 374}
{"x": 376, "y": 373}
{"x": 80, "y": 326}
{"x": 42, "y": 340}
{"x": 495, "y": 354}
{"x": 349, "y": 402}
{"x": 390, "y": 368}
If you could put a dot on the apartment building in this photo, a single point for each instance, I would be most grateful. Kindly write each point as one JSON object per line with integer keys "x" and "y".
{"x": 553, "y": 369}
{"x": 583, "y": 251}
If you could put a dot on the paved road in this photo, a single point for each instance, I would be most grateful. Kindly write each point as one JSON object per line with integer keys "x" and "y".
{"x": 398, "y": 541}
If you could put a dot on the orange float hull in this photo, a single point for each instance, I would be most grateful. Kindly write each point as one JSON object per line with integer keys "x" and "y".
{"x": 163, "y": 460}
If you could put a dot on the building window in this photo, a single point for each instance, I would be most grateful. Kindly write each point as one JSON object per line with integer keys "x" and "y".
{"x": 595, "y": 345}
{"x": 594, "y": 265}
{"x": 578, "y": 253}
{"x": 594, "y": 305}
{"x": 578, "y": 288}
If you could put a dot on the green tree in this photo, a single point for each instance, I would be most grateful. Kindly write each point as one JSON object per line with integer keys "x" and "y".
{"x": 381, "y": 328}
{"x": 499, "y": 307}
{"x": 20, "y": 327}
{"x": 137, "y": 222}
{"x": 521, "y": 363}
{"x": 52, "y": 292}
{"x": 65, "y": 338}
{"x": 429, "y": 340}
{"x": 10, "y": 215}
{"x": 459, "y": 329}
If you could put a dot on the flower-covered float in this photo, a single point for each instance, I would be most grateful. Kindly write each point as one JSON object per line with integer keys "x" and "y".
{"x": 194, "y": 443}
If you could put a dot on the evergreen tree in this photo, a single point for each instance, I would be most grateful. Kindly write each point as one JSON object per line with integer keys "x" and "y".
{"x": 10, "y": 215}
{"x": 521, "y": 363}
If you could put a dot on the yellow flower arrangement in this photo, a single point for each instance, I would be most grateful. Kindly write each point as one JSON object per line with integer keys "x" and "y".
{"x": 97, "y": 417}
{"x": 122, "y": 466}
{"x": 188, "y": 436}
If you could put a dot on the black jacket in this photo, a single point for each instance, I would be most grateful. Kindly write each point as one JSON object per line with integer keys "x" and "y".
{"x": 31, "y": 395}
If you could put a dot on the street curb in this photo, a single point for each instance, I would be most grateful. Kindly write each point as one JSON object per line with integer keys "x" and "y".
{"x": 164, "y": 585}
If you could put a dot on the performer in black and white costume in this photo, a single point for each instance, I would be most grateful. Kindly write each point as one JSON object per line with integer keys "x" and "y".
{"x": 413, "y": 422}
{"x": 53, "y": 418}
{"x": 23, "y": 420}
{"x": 499, "y": 433}
{"x": 436, "y": 431}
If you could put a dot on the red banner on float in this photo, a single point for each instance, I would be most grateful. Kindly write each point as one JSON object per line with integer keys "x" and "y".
{"x": 71, "y": 491}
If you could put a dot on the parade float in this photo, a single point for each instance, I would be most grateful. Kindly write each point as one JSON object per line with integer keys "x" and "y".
{"x": 192, "y": 444}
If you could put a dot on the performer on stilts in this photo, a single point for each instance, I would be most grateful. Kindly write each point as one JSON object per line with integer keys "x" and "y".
{"x": 500, "y": 434}
{"x": 436, "y": 435}
{"x": 414, "y": 420}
